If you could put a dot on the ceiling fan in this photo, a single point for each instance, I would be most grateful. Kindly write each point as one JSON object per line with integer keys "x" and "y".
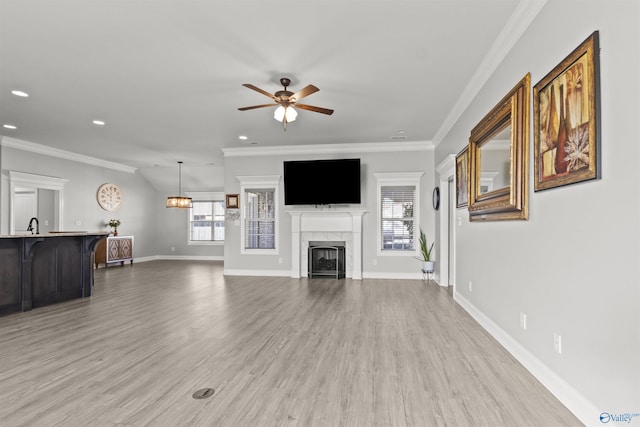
{"x": 286, "y": 100}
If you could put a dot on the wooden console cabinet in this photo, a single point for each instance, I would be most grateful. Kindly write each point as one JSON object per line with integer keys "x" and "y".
{"x": 114, "y": 249}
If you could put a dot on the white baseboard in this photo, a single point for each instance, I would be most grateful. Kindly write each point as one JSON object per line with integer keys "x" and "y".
{"x": 191, "y": 257}
{"x": 579, "y": 405}
{"x": 268, "y": 273}
{"x": 178, "y": 257}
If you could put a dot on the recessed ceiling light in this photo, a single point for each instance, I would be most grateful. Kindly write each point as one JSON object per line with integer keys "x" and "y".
{"x": 20, "y": 93}
{"x": 99, "y": 123}
{"x": 8, "y": 126}
{"x": 242, "y": 137}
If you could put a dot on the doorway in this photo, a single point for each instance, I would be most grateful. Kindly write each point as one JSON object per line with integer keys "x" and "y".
{"x": 34, "y": 196}
{"x": 451, "y": 223}
{"x": 447, "y": 252}
{"x": 25, "y": 207}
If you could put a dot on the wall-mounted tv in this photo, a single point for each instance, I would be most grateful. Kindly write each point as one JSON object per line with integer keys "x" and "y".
{"x": 322, "y": 182}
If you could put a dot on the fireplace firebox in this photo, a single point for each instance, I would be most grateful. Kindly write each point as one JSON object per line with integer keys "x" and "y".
{"x": 327, "y": 259}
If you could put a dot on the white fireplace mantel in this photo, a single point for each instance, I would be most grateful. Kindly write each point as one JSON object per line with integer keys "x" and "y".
{"x": 336, "y": 224}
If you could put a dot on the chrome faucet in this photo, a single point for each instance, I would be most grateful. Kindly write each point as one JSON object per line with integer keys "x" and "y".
{"x": 30, "y": 227}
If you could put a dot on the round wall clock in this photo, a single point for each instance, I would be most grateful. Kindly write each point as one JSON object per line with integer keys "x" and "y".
{"x": 436, "y": 198}
{"x": 109, "y": 197}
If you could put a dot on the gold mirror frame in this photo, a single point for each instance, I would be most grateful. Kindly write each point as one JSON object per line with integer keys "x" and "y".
{"x": 512, "y": 202}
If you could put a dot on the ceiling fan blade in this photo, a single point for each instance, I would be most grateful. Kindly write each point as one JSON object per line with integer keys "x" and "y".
{"x": 253, "y": 107}
{"x": 257, "y": 89}
{"x": 306, "y": 91}
{"x": 315, "y": 109}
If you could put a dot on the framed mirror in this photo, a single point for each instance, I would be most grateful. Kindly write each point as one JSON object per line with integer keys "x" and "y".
{"x": 498, "y": 159}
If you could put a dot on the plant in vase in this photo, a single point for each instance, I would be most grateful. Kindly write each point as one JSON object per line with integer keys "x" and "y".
{"x": 114, "y": 223}
{"x": 425, "y": 251}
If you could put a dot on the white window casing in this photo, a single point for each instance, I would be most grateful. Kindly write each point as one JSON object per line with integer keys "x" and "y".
{"x": 253, "y": 190}
{"x": 398, "y": 219}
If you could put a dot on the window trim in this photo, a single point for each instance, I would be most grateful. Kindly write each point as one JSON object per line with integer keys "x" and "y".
{"x": 260, "y": 182}
{"x": 203, "y": 196}
{"x": 388, "y": 179}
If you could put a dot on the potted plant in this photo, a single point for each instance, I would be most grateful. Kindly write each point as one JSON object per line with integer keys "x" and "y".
{"x": 114, "y": 223}
{"x": 425, "y": 251}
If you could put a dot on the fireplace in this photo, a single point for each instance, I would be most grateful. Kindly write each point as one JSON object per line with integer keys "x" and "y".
{"x": 343, "y": 224}
{"x": 326, "y": 259}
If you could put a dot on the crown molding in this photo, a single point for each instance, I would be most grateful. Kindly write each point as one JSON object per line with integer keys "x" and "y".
{"x": 370, "y": 147}
{"x": 446, "y": 165}
{"x": 32, "y": 147}
{"x": 520, "y": 19}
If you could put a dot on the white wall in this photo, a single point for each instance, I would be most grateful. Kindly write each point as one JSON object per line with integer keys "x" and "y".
{"x": 573, "y": 267}
{"x": 382, "y": 158}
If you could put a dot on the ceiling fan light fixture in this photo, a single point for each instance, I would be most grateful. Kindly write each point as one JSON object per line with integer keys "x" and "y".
{"x": 279, "y": 113}
{"x": 290, "y": 114}
{"x": 285, "y": 112}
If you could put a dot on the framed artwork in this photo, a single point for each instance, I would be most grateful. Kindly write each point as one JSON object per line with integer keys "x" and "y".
{"x": 499, "y": 159}
{"x": 566, "y": 119}
{"x": 232, "y": 201}
{"x": 462, "y": 178}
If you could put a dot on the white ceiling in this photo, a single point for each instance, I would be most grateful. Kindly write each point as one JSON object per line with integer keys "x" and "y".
{"x": 166, "y": 75}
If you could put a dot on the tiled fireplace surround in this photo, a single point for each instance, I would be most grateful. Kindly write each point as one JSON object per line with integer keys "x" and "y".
{"x": 326, "y": 224}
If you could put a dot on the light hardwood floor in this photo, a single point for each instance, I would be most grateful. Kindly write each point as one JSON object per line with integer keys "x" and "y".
{"x": 277, "y": 351}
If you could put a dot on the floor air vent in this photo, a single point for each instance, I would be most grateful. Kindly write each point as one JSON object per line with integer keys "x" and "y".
{"x": 203, "y": 393}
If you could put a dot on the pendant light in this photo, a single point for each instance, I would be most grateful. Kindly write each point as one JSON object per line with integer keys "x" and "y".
{"x": 179, "y": 201}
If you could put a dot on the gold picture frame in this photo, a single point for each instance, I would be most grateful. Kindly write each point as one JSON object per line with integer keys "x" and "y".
{"x": 566, "y": 118}
{"x": 462, "y": 178}
{"x": 232, "y": 201}
{"x": 499, "y": 159}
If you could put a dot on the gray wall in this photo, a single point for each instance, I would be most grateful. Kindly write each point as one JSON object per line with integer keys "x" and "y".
{"x": 138, "y": 212}
{"x": 173, "y": 234}
{"x": 156, "y": 229}
{"x": 573, "y": 267}
{"x": 391, "y": 160}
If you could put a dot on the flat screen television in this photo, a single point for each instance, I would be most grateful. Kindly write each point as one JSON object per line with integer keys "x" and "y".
{"x": 322, "y": 182}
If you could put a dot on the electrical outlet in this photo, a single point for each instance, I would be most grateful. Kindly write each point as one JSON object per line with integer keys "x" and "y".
{"x": 459, "y": 221}
{"x": 173, "y": 248}
{"x": 523, "y": 321}
{"x": 557, "y": 343}
{"x": 78, "y": 222}
{"x": 470, "y": 286}
{"x": 46, "y": 222}
{"x": 280, "y": 260}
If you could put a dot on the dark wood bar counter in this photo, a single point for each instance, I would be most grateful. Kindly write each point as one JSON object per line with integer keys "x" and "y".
{"x": 42, "y": 269}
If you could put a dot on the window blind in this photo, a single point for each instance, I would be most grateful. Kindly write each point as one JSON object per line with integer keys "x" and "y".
{"x": 259, "y": 219}
{"x": 398, "y": 221}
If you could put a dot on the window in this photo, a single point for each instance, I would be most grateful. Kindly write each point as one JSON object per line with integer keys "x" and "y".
{"x": 206, "y": 218}
{"x": 398, "y": 204}
{"x": 259, "y": 219}
{"x": 207, "y": 221}
{"x": 397, "y": 218}
{"x": 259, "y": 205}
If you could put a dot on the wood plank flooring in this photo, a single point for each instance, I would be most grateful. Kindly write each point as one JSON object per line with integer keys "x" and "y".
{"x": 277, "y": 351}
